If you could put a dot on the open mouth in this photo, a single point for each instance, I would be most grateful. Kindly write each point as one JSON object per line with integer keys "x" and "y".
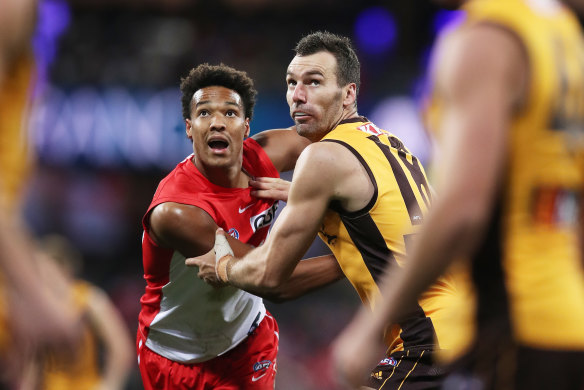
{"x": 218, "y": 145}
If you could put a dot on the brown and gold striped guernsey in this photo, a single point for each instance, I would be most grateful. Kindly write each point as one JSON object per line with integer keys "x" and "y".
{"x": 527, "y": 272}
{"x": 367, "y": 241}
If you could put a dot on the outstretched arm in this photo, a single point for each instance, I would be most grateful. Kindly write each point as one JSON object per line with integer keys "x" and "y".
{"x": 309, "y": 275}
{"x": 481, "y": 83}
{"x": 325, "y": 172}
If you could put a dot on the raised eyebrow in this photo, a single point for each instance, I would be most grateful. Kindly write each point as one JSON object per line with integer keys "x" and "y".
{"x": 232, "y": 104}
{"x": 203, "y": 102}
{"x": 307, "y": 73}
{"x": 313, "y": 73}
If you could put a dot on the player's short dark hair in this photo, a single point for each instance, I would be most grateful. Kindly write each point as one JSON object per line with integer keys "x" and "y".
{"x": 221, "y": 75}
{"x": 348, "y": 65}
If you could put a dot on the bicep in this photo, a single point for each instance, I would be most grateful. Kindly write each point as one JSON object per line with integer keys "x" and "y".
{"x": 186, "y": 228}
{"x": 481, "y": 84}
{"x": 309, "y": 197}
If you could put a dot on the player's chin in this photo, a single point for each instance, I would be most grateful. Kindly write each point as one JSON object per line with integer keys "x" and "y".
{"x": 220, "y": 158}
{"x": 305, "y": 129}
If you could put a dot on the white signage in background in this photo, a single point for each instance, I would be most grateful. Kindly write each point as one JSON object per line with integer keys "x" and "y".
{"x": 110, "y": 127}
{"x": 401, "y": 117}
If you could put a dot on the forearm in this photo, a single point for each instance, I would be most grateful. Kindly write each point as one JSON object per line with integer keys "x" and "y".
{"x": 119, "y": 358}
{"x": 116, "y": 373}
{"x": 253, "y": 273}
{"x": 309, "y": 275}
{"x": 265, "y": 269}
{"x": 114, "y": 337}
{"x": 240, "y": 249}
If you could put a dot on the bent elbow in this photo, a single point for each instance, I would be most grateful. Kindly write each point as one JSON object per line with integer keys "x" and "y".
{"x": 270, "y": 283}
{"x": 270, "y": 279}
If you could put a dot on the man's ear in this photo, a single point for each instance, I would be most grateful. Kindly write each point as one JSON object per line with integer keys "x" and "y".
{"x": 247, "y": 129}
{"x": 189, "y": 129}
{"x": 350, "y": 94}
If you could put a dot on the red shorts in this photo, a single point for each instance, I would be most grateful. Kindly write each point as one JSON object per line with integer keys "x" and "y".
{"x": 251, "y": 365}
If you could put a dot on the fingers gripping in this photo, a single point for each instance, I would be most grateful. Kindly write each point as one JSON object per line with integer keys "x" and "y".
{"x": 223, "y": 254}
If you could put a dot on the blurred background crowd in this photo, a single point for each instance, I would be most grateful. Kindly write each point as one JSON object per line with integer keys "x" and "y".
{"x": 106, "y": 124}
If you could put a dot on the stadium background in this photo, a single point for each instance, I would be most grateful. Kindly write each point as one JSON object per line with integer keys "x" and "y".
{"x": 106, "y": 124}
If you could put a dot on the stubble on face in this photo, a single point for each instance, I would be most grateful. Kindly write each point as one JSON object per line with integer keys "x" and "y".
{"x": 313, "y": 95}
{"x": 331, "y": 116}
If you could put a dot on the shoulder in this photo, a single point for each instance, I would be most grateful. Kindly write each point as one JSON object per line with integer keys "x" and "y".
{"x": 181, "y": 177}
{"x": 171, "y": 220}
{"x": 282, "y": 146}
{"x": 331, "y": 170}
{"x": 327, "y": 162}
{"x": 480, "y": 54}
{"x": 266, "y": 137}
{"x": 327, "y": 155}
{"x": 172, "y": 212}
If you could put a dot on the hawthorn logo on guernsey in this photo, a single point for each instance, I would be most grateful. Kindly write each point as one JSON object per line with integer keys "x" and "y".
{"x": 264, "y": 218}
{"x": 370, "y": 128}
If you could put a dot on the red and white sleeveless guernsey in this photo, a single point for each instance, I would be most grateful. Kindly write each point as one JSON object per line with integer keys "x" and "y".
{"x": 183, "y": 318}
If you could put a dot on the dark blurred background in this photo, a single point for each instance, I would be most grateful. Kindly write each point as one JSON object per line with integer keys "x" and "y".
{"x": 106, "y": 125}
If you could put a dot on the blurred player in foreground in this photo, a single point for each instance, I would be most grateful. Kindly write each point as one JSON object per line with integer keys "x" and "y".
{"x": 508, "y": 101}
{"x": 32, "y": 316}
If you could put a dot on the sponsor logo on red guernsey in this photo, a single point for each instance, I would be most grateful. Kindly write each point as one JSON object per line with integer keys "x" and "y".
{"x": 264, "y": 218}
{"x": 260, "y": 366}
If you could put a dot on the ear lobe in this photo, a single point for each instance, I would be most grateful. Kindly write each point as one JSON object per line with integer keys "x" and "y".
{"x": 189, "y": 129}
{"x": 350, "y": 95}
{"x": 247, "y": 128}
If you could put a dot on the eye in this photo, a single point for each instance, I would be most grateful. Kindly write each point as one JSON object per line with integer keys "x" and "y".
{"x": 203, "y": 113}
{"x": 315, "y": 83}
{"x": 291, "y": 82}
{"x": 231, "y": 113}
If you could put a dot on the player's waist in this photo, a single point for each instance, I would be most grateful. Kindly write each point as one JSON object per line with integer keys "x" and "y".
{"x": 190, "y": 341}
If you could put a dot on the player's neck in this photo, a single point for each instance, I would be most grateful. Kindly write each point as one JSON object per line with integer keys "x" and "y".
{"x": 349, "y": 113}
{"x": 224, "y": 176}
